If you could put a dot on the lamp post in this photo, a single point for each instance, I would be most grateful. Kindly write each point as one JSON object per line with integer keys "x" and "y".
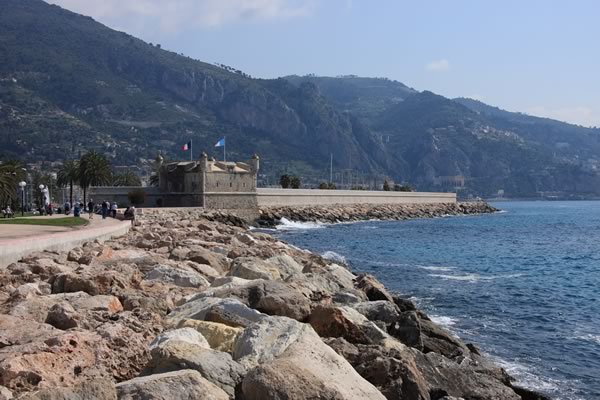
{"x": 42, "y": 199}
{"x": 22, "y": 185}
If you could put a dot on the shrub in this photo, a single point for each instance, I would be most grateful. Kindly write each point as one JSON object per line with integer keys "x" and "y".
{"x": 295, "y": 182}
{"x": 285, "y": 181}
{"x": 136, "y": 197}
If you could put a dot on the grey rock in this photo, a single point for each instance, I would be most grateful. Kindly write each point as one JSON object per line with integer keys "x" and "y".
{"x": 177, "y": 277}
{"x": 227, "y": 311}
{"x": 176, "y": 385}
{"x": 215, "y": 366}
{"x": 380, "y": 310}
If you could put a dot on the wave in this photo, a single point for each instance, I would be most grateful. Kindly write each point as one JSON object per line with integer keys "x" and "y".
{"x": 435, "y": 268}
{"x": 528, "y": 378}
{"x": 442, "y": 320}
{"x": 333, "y": 256}
{"x": 474, "y": 277}
{"x": 588, "y": 338}
{"x": 286, "y": 224}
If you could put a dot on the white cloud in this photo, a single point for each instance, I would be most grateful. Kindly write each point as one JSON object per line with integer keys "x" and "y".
{"x": 438, "y": 65}
{"x": 581, "y": 115}
{"x": 175, "y": 15}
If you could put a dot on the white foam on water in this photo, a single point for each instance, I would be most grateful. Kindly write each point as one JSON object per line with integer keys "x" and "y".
{"x": 588, "y": 338}
{"x": 472, "y": 278}
{"x": 286, "y": 224}
{"x": 435, "y": 268}
{"x": 527, "y": 378}
{"x": 442, "y": 320}
{"x": 333, "y": 256}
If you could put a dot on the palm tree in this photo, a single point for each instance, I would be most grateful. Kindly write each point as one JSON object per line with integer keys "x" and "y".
{"x": 128, "y": 178}
{"x": 68, "y": 175}
{"x": 11, "y": 173}
{"x": 94, "y": 170}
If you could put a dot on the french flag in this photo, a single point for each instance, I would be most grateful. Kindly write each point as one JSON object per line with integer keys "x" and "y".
{"x": 186, "y": 146}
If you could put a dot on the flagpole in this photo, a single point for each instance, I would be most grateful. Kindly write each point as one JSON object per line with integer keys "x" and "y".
{"x": 191, "y": 150}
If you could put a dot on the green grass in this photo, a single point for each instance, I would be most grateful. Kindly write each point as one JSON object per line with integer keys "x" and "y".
{"x": 67, "y": 221}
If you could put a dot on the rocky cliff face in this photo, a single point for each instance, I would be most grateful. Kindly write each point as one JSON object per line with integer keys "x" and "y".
{"x": 194, "y": 305}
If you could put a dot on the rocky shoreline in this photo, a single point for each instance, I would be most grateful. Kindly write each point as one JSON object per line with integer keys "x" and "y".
{"x": 271, "y": 216}
{"x": 193, "y": 305}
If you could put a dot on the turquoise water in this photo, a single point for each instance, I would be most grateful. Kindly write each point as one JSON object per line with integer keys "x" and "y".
{"x": 523, "y": 284}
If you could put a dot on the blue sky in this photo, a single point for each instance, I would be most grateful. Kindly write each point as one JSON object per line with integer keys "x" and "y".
{"x": 533, "y": 56}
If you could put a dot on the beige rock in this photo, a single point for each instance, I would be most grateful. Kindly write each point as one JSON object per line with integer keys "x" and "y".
{"x": 98, "y": 389}
{"x": 177, "y": 385}
{"x": 293, "y": 363}
{"x": 220, "y": 336}
{"x": 254, "y": 268}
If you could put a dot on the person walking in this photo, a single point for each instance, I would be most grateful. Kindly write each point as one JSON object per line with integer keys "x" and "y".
{"x": 67, "y": 208}
{"x": 76, "y": 210}
{"x": 104, "y": 209}
{"x": 113, "y": 209}
{"x": 91, "y": 207}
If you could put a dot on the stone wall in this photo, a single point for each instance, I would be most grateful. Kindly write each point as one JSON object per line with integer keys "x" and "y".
{"x": 314, "y": 197}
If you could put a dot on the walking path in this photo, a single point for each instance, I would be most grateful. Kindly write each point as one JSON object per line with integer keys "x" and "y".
{"x": 16, "y": 241}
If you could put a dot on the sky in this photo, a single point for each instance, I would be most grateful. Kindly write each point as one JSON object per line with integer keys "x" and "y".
{"x": 539, "y": 57}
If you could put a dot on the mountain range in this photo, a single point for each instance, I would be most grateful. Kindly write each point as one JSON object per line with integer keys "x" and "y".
{"x": 69, "y": 84}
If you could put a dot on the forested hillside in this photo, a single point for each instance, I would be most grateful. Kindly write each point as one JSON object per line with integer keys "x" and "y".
{"x": 69, "y": 85}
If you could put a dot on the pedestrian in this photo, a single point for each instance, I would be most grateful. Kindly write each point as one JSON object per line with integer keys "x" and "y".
{"x": 113, "y": 209}
{"x": 130, "y": 214}
{"x": 76, "y": 210}
{"x": 91, "y": 206}
{"x": 104, "y": 209}
{"x": 67, "y": 208}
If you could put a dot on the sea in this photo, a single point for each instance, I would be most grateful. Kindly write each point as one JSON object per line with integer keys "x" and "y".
{"x": 522, "y": 284}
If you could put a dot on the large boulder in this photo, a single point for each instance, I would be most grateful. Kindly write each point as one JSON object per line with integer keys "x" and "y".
{"x": 231, "y": 312}
{"x": 204, "y": 256}
{"x": 177, "y": 276}
{"x": 188, "y": 335}
{"x": 266, "y": 340}
{"x": 216, "y": 366}
{"x": 219, "y": 336}
{"x": 464, "y": 380}
{"x": 298, "y": 366}
{"x": 372, "y": 288}
{"x": 379, "y": 310}
{"x": 407, "y": 329}
{"x": 286, "y": 265}
{"x": 254, "y": 268}
{"x": 177, "y": 385}
{"x": 390, "y": 367}
{"x": 346, "y": 322}
{"x": 97, "y": 389}
{"x": 62, "y": 360}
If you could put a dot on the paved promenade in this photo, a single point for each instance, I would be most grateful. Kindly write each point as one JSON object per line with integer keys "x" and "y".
{"x": 16, "y": 241}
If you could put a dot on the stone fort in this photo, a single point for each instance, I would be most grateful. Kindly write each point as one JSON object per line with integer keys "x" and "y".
{"x": 203, "y": 183}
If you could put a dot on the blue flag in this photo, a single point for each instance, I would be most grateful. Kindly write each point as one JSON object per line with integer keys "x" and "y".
{"x": 220, "y": 143}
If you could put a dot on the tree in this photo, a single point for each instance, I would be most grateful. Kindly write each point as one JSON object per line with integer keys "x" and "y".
{"x": 94, "y": 170}
{"x": 323, "y": 185}
{"x": 68, "y": 175}
{"x": 285, "y": 181}
{"x": 11, "y": 173}
{"x": 295, "y": 182}
{"x": 128, "y": 178}
{"x": 386, "y": 186}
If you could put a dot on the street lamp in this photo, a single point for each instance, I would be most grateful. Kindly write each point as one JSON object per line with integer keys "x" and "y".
{"x": 22, "y": 185}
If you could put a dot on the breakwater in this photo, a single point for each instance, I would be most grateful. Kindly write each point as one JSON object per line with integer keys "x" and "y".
{"x": 271, "y": 216}
{"x": 195, "y": 305}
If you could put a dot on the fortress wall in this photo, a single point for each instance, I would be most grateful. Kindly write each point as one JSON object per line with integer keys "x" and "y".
{"x": 316, "y": 197}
